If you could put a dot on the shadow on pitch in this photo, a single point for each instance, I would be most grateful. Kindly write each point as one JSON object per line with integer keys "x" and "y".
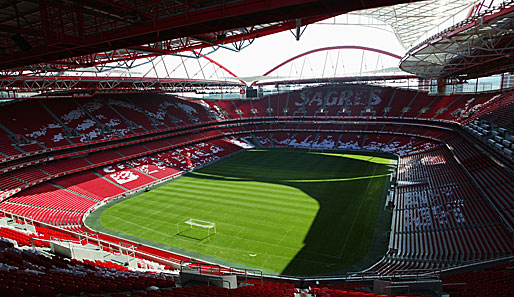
{"x": 192, "y": 234}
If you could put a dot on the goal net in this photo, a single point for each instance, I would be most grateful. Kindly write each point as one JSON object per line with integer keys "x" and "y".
{"x": 196, "y": 229}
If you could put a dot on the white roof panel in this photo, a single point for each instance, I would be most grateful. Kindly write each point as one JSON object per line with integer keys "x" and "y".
{"x": 414, "y": 21}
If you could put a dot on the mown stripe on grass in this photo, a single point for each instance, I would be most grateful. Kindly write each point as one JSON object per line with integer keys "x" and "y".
{"x": 294, "y": 210}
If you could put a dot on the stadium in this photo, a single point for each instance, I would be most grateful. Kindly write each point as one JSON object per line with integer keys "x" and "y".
{"x": 143, "y": 153}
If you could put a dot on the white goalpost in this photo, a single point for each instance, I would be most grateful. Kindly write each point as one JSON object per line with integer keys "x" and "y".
{"x": 210, "y": 226}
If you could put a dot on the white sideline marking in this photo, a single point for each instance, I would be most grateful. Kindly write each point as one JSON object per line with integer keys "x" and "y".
{"x": 356, "y": 215}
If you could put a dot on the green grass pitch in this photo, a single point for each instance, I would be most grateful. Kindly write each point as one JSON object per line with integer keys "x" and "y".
{"x": 292, "y": 212}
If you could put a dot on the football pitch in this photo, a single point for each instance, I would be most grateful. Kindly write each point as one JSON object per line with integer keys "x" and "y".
{"x": 284, "y": 211}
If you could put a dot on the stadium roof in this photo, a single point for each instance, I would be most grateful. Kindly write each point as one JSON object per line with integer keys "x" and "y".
{"x": 84, "y": 33}
{"x": 47, "y": 44}
{"x": 479, "y": 46}
{"x": 412, "y": 21}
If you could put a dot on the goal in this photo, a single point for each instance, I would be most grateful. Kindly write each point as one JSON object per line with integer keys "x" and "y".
{"x": 194, "y": 223}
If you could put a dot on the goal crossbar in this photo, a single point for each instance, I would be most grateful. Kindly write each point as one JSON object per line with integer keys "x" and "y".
{"x": 202, "y": 224}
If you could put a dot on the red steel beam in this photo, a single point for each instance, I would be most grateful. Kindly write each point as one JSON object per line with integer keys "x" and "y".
{"x": 93, "y": 83}
{"x": 330, "y": 48}
{"x": 338, "y": 79}
{"x": 364, "y": 48}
